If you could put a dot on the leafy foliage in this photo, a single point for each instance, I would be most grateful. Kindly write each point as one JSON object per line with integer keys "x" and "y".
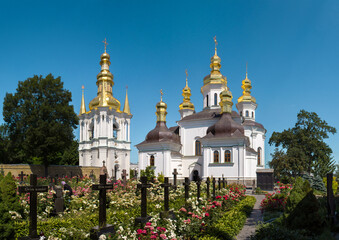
{"x": 303, "y": 147}
{"x": 148, "y": 172}
{"x": 39, "y": 121}
{"x": 299, "y": 191}
{"x": 9, "y": 202}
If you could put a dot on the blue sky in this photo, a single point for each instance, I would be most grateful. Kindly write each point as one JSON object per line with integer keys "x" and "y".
{"x": 291, "y": 48}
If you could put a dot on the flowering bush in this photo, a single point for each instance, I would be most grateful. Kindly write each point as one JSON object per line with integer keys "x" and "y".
{"x": 276, "y": 201}
{"x": 81, "y": 211}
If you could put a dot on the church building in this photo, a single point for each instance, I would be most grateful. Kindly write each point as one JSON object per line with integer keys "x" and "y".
{"x": 217, "y": 141}
{"x": 105, "y": 129}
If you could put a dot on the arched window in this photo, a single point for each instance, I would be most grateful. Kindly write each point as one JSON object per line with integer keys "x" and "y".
{"x": 207, "y": 100}
{"x": 197, "y": 148}
{"x": 247, "y": 114}
{"x": 252, "y": 114}
{"x": 115, "y": 131}
{"x": 215, "y": 99}
{"x": 216, "y": 156}
{"x": 126, "y": 127}
{"x": 259, "y": 156}
{"x": 228, "y": 156}
{"x": 151, "y": 160}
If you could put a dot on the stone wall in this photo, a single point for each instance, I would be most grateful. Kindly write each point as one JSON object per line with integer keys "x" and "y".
{"x": 53, "y": 170}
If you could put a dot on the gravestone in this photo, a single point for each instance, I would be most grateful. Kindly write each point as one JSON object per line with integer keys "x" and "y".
{"x": 253, "y": 186}
{"x": 144, "y": 217}
{"x": 198, "y": 190}
{"x": 208, "y": 187}
{"x": 219, "y": 184}
{"x": 213, "y": 188}
{"x": 187, "y": 188}
{"x": 33, "y": 189}
{"x": 21, "y": 175}
{"x": 330, "y": 199}
{"x": 166, "y": 213}
{"x": 103, "y": 227}
{"x": 59, "y": 200}
{"x": 175, "y": 173}
{"x": 124, "y": 177}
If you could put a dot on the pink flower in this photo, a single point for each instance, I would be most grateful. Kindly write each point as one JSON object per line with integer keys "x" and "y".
{"x": 207, "y": 214}
{"x": 148, "y": 224}
{"x": 163, "y": 236}
{"x": 183, "y": 209}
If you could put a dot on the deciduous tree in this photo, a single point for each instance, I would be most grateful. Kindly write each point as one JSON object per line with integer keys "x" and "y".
{"x": 39, "y": 120}
{"x": 302, "y": 148}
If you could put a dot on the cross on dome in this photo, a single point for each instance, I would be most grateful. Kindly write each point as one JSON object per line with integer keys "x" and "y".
{"x": 105, "y": 42}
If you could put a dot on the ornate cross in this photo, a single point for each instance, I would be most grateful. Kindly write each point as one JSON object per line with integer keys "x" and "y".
{"x": 33, "y": 189}
{"x": 161, "y": 93}
{"x": 175, "y": 173}
{"x": 21, "y": 175}
{"x": 187, "y": 188}
{"x": 105, "y": 42}
{"x": 143, "y": 186}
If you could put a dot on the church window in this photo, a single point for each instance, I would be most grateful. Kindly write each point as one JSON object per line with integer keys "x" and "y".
{"x": 151, "y": 160}
{"x": 215, "y": 99}
{"x": 227, "y": 156}
{"x": 197, "y": 148}
{"x": 252, "y": 114}
{"x": 103, "y": 117}
{"x": 207, "y": 100}
{"x": 216, "y": 157}
{"x": 259, "y": 156}
{"x": 115, "y": 131}
{"x": 247, "y": 114}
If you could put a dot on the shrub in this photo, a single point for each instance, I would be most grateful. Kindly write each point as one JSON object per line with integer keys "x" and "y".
{"x": 148, "y": 172}
{"x": 161, "y": 177}
{"x": 275, "y": 231}
{"x": 230, "y": 224}
{"x": 315, "y": 182}
{"x": 299, "y": 191}
{"x": 9, "y": 203}
{"x": 307, "y": 215}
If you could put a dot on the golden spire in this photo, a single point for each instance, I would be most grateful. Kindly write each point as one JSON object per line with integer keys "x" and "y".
{"x": 246, "y": 94}
{"x": 226, "y": 101}
{"x": 186, "y": 93}
{"x": 105, "y": 84}
{"x": 83, "y": 106}
{"x": 161, "y": 109}
{"x": 126, "y": 106}
{"x": 215, "y": 77}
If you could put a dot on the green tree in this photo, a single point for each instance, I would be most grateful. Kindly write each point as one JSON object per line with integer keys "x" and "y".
{"x": 39, "y": 121}
{"x": 302, "y": 148}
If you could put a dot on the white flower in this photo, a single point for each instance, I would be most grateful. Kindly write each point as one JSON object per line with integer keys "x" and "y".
{"x": 102, "y": 237}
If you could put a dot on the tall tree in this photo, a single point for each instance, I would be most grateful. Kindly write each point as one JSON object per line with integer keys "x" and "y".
{"x": 39, "y": 120}
{"x": 303, "y": 147}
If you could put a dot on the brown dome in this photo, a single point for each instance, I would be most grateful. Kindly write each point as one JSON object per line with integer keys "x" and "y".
{"x": 162, "y": 134}
{"x": 226, "y": 126}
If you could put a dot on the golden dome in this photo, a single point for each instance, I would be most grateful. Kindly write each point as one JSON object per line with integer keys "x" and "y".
{"x": 246, "y": 94}
{"x": 105, "y": 84}
{"x": 226, "y": 101}
{"x": 186, "y": 93}
{"x": 215, "y": 77}
{"x": 161, "y": 108}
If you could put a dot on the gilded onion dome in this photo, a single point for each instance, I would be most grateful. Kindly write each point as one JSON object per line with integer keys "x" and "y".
{"x": 226, "y": 101}
{"x": 161, "y": 108}
{"x": 215, "y": 77}
{"x": 105, "y": 84}
{"x": 186, "y": 93}
{"x": 246, "y": 94}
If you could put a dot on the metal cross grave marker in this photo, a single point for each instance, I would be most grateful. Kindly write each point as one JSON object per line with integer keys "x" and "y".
{"x": 124, "y": 177}
{"x": 187, "y": 188}
{"x": 198, "y": 189}
{"x": 103, "y": 227}
{"x": 208, "y": 187}
{"x": 175, "y": 173}
{"x": 33, "y": 189}
{"x": 219, "y": 184}
{"x": 21, "y": 175}
{"x": 143, "y": 187}
{"x": 213, "y": 190}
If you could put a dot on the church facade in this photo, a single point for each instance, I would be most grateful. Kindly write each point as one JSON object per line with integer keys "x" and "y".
{"x": 217, "y": 141}
{"x": 105, "y": 129}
